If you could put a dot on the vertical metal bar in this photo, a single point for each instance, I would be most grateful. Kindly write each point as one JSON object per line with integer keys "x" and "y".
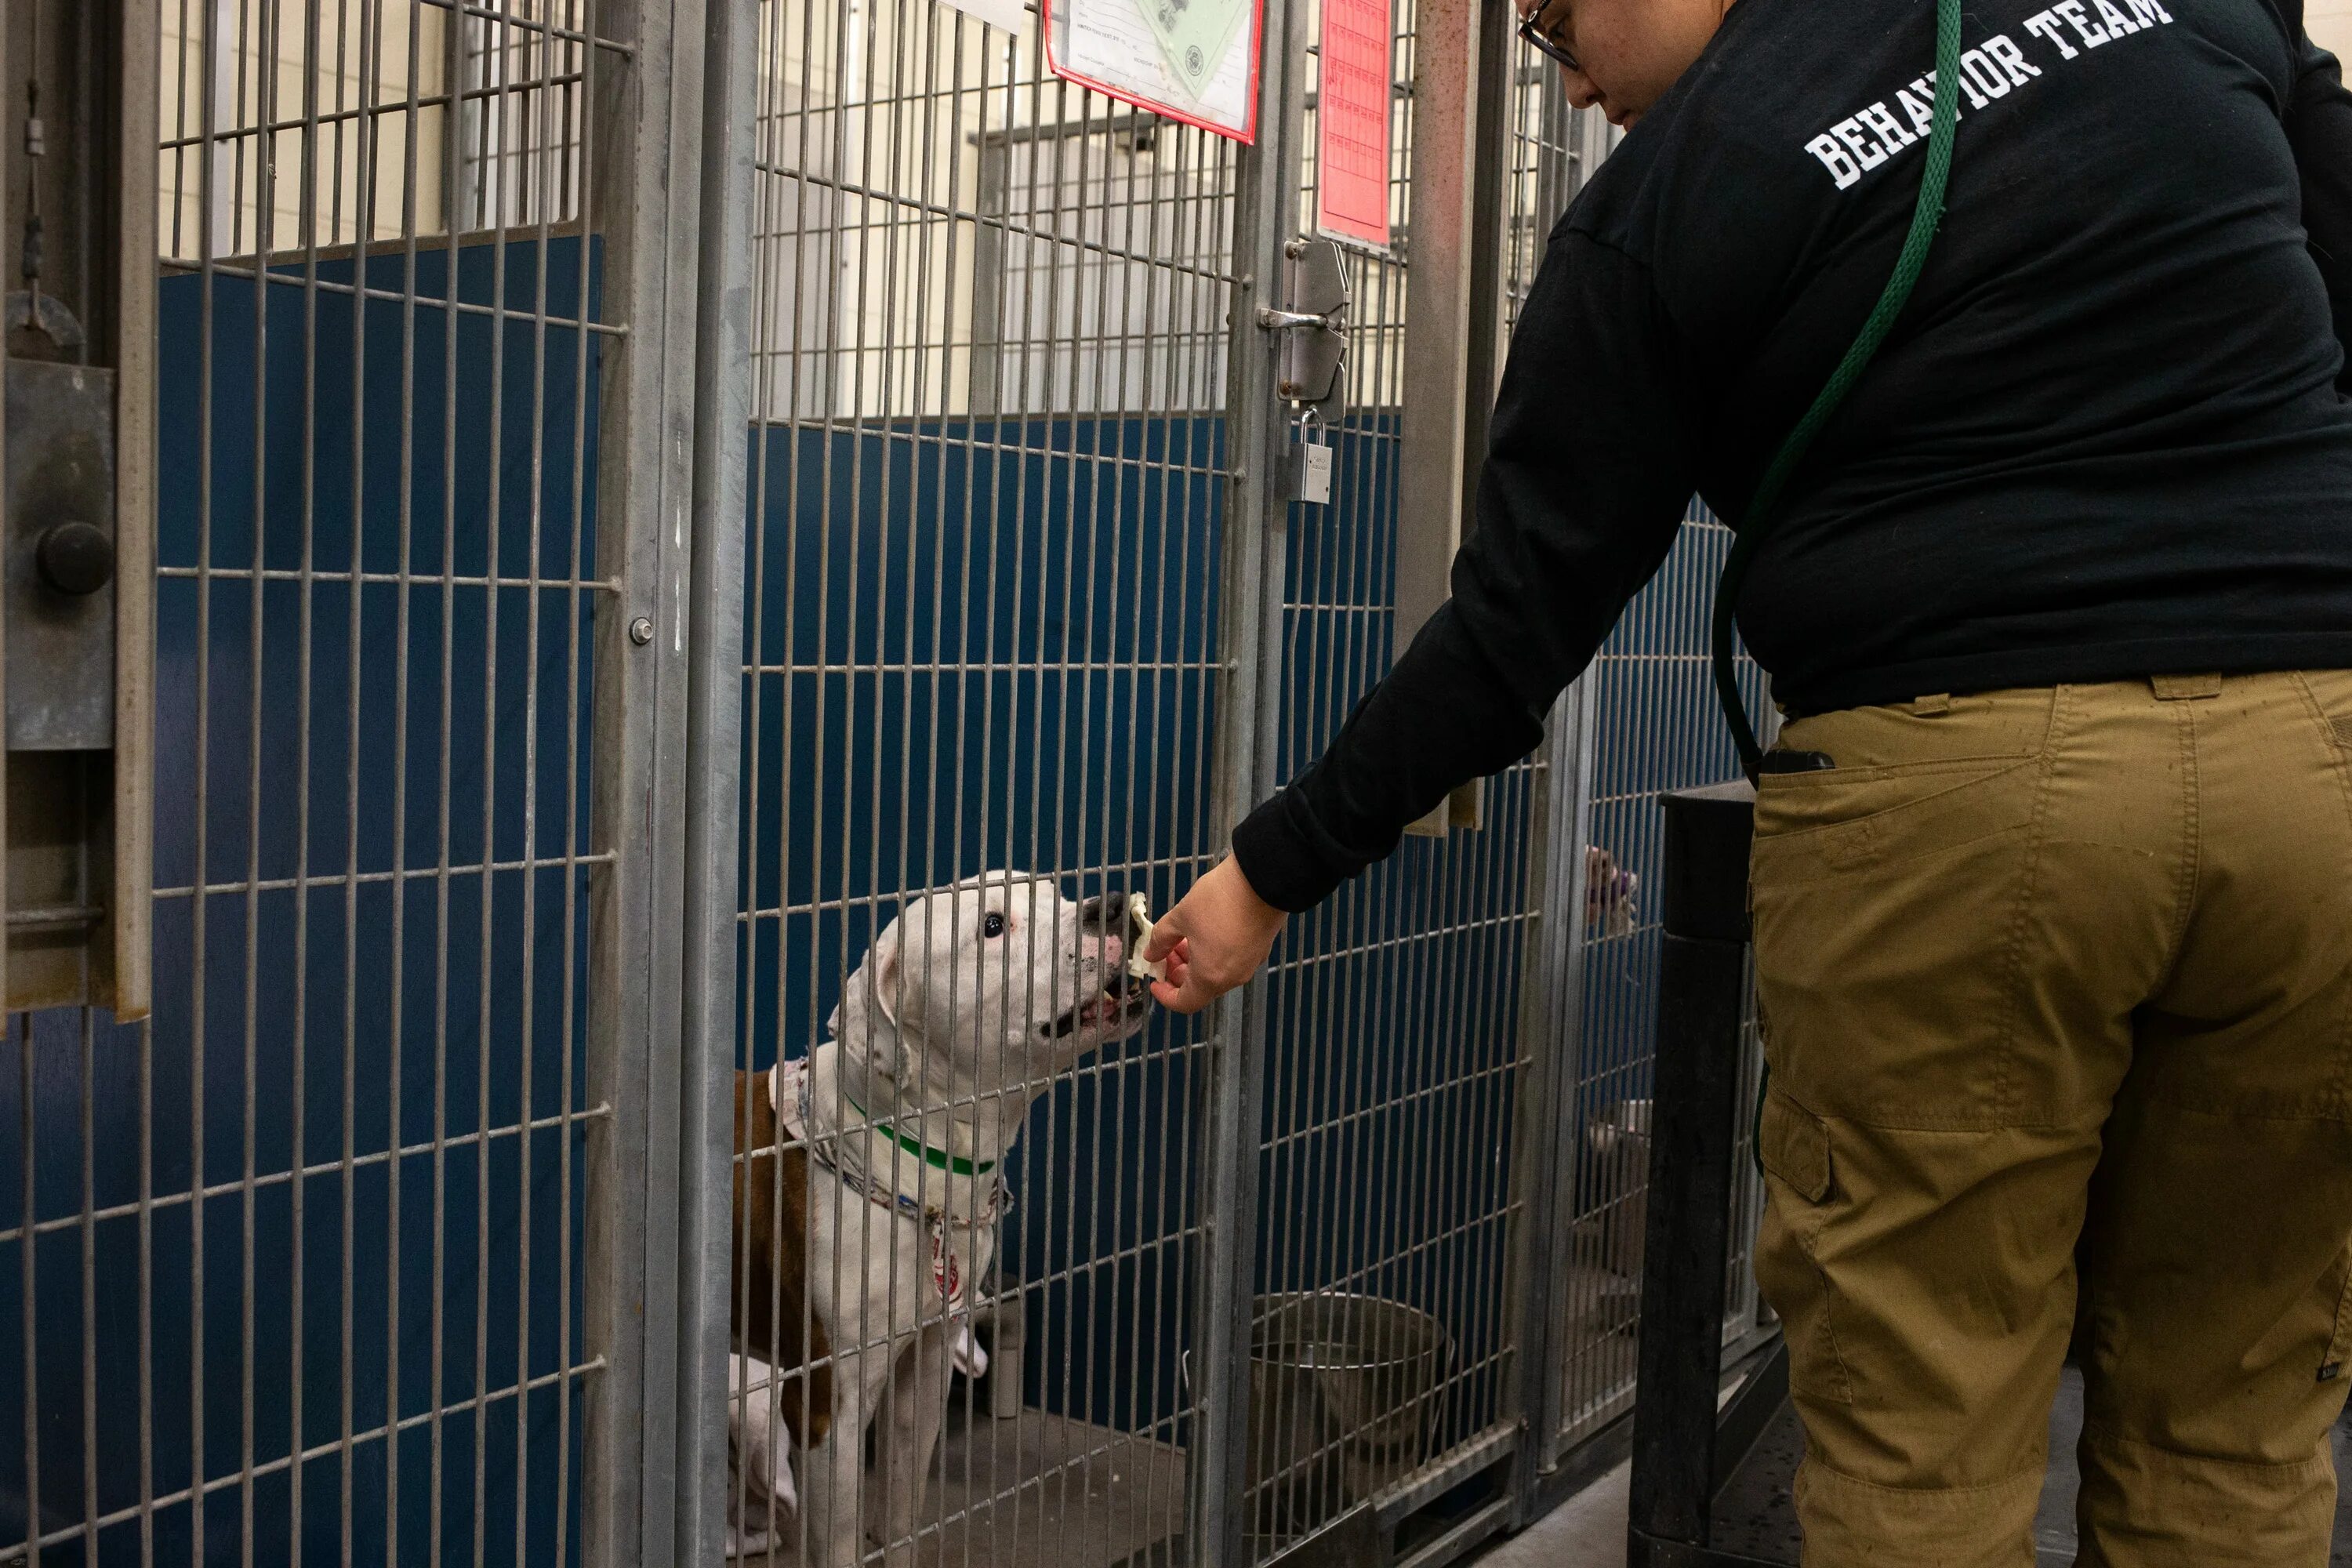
{"x": 206, "y": 240}
{"x": 144, "y": 1110}
{"x": 370, "y": 57}
{"x": 877, "y": 340}
{"x": 713, "y": 760}
{"x": 1545, "y": 1164}
{"x": 1446, "y": 279}
{"x": 1545, "y": 1156}
{"x": 579, "y": 603}
{"x": 1089, "y": 222}
{"x": 134, "y": 34}
{"x": 88, "y": 1130}
{"x": 135, "y": 610}
{"x": 770, "y": 290}
{"x": 454, "y": 29}
{"x": 1266, "y": 205}
{"x": 306, "y": 592}
{"x": 1140, "y": 235}
{"x": 533, "y": 159}
{"x": 395, "y": 1284}
{"x": 498, "y": 45}
{"x": 266, "y": 99}
{"x": 27, "y": 1282}
{"x": 650, "y": 102}
{"x": 811, "y": 362}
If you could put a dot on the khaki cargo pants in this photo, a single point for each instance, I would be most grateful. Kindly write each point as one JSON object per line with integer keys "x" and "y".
{"x": 2058, "y": 999}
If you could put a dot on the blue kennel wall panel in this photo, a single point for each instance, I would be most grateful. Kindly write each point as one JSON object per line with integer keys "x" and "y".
{"x": 1393, "y": 1040}
{"x": 934, "y": 690}
{"x": 988, "y": 643}
{"x": 975, "y": 649}
{"x": 1656, "y": 729}
{"x": 345, "y": 985}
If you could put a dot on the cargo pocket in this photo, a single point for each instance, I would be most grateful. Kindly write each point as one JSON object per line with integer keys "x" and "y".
{"x": 2339, "y": 1342}
{"x": 1795, "y": 1151}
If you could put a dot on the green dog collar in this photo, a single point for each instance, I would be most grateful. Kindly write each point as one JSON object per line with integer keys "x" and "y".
{"x": 955, "y": 1165}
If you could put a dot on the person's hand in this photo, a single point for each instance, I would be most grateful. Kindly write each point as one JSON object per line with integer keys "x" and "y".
{"x": 1216, "y": 937}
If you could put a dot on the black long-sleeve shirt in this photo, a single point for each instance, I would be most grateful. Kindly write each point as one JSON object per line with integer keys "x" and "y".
{"x": 2111, "y": 436}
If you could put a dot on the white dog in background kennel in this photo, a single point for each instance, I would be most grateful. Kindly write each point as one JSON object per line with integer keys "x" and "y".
{"x": 965, "y": 1010}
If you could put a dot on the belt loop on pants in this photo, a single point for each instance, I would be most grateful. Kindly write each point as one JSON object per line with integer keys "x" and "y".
{"x": 2185, "y": 688}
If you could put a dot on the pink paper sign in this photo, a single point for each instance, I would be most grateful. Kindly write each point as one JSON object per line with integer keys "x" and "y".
{"x": 1352, "y": 161}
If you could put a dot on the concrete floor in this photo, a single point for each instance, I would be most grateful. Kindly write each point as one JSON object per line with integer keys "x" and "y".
{"x": 1040, "y": 1491}
{"x": 1589, "y": 1531}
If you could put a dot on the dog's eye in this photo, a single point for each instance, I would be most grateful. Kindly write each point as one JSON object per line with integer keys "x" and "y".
{"x": 991, "y": 924}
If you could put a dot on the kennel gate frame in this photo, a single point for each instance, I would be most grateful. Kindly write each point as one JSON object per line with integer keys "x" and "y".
{"x": 671, "y": 105}
{"x": 645, "y": 171}
{"x": 1529, "y": 151}
{"x": 1248, "y": 744}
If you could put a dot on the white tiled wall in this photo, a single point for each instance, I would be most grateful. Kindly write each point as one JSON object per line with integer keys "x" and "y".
{"x": 307, "y": 98}
{"x": 346, "y": 61}
{"x": 2330, "y": 24}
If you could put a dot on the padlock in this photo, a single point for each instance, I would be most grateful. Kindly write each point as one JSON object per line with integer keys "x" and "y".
{"x": 1311, "y": 466}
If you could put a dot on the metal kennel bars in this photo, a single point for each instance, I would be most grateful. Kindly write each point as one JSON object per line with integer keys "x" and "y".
{"x": 366, "y": 1245}
{"x": 1025, "y": 592}
{"x": 647, "y": 492}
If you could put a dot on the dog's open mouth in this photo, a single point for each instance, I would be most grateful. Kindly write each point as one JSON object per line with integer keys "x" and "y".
{"x": 1127, "y": 1000}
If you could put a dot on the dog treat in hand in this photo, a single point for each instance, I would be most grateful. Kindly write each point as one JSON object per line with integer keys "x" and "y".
{"x": 1139, "y": 909}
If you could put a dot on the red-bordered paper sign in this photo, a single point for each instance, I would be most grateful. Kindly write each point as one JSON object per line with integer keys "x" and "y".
{"x": 1192, "y": 60}
{"x": 1351, "y": 123}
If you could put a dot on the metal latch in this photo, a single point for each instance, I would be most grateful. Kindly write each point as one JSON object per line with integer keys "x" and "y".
{"x": 1314, "y": 326}
{"x": 76, "y": 537}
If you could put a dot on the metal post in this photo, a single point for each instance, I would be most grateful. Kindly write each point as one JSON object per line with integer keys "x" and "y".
{"x": 713, "y": 626}
{"x": 1544, "y": 1150}
{"x": 134, "y": 497}
{"x": 1453, "y": 327}
{"x": 1702, "y": 988}
{"x": 1264, "y": 204}
{"x": 650, "y": 105}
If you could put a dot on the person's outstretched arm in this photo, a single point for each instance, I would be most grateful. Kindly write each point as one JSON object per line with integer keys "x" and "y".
{"x": 1586, "y": 479}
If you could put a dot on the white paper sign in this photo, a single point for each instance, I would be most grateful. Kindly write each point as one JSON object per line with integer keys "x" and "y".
{"x": 1010, "y": 15}
{"x": 1194, "y": 60}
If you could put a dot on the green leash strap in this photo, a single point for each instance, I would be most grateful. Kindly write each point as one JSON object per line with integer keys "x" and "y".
{"x": 1925, "y": 218}
{"x": 1924, "y": 221}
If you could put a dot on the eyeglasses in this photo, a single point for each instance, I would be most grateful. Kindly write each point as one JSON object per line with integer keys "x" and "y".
{"x": 1535, "y": 28}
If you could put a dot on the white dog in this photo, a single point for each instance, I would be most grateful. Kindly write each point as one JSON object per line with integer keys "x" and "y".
{"x": 760, "y": 1496}
{"x": 1609, "y": 896}
{"x": 966, "y": 1009}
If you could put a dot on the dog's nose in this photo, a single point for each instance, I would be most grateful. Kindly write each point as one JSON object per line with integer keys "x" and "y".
{"x": 1106, "y": 914}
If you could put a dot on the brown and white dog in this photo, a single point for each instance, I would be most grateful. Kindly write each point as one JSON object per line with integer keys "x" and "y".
{"x": 781, "y": 1385}
{"x": 966, "y": 1009}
